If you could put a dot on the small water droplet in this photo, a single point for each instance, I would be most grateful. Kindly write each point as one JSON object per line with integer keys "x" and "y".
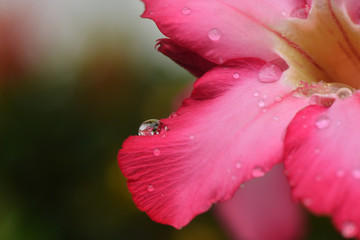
{"x": 349, "y": 230}
{"x": 340, "y": 173}
{"x": 152, "y": 127}
{"x": 343, "y": 93}
{"x": 356, "y": 173}
{"x": 191, "y": 137}
{"x": 276, "y": 118}
{"x": 261, "y": 103}
{"x": 156, "y": 152}
{"x": 173, "y": 115}
{"x": 307, "y": 202}
{"x": 278, "y": 99}
{"x": 236, "y": 75}
{"x": 269, "y": 73}
{"x": 264, "y": 110}
{"x": 150, "y": 188}
{"x": 265, "y": 96}
{"x": 322, "y": 122}
{"x": 283, "y": 12}
{"x": 301, "y": 13}
{"x": 238, "y": 165}
{"x": 258, "y": 172}
{"x": 214, "y": 34}
{"x": 256, "y": 94}
{"x": 186, "y": 11}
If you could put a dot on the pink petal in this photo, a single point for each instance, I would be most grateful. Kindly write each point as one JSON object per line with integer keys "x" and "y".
{"x": 228, "y": 131}
{"x": 353, "y": 9}
{"x": 189, "y": 60}
{"x": 263, "y": 209}
{"x": 220, "y": 30}
{"x": 322, "y": 148}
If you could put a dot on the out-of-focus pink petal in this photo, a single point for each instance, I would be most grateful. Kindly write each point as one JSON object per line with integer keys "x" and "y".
{"x": 220, "y": 30}
{"x": 263, "y": 209}
{"x": 322, "y": 150}
{"x": 353, "y": 9}
{"x": 229, "y": 130}
{"x": 189, "y": 60}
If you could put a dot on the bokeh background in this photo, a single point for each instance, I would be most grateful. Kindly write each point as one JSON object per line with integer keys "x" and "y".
{"x": 77, "y": 78}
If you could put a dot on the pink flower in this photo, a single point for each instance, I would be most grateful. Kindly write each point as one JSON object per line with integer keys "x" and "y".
{"x": 278, "y": 84}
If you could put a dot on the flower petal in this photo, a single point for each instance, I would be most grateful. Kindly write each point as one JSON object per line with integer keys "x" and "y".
{"x": 220, "y": 30}
{"x": 263, "y": 209}
{"x": 322, "y": 150}
{"x": 228, "y": 131}
{"x": 189, "y": 60}
{"x": 353, "y": 9}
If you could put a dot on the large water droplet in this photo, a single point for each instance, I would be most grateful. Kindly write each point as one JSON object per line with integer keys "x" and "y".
{"x": 214, "y": 34}
{"x": 356, "y": 173}
{"x": 152, "y": 127}
{"x": 236, "y": 75}
{"x": 349, "y": 230}
{"x": 261, "y": 103}
{"x": 150, "y": 188}
{"x": 322, "y": 122}
{"x": 186, "y": 11}
{"x": 156, "y": 152}
{"x": 258, "y": 172}
{"x": 301, "y": 13}
{"x": 343, "y": 93}
{"x": 269, "y": 73}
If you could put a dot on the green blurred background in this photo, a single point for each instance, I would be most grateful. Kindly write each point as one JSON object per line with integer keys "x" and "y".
{"x": 77, "y": 78}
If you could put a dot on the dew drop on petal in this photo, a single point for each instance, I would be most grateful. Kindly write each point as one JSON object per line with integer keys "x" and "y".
{"x": 258, "y": 172}
{"x": 322, "y": 122}
{"x": 276, "y": 118}
{"x": 317, "y": 151}
{"x": 214, "y": 34}
{"x": 343, "y": 93}
{"x": 269, "y": 73}
{"x": 156, "y": 152}
{"x": 278, "y": 99}
{"x": 349, "y": 230}
{"x": 152, "y": 127}
{"x": 307, "y": 202}
{"x": 150, "y": 188}
{"x": 261, "y": 103}
{"x": 186, "y": 11}
{"x": 191, "y": 137}
{"x": 238, "y": 165}
{"x": 283, "y": 12}
{"x": 173, "y": 115}
{"x": 256, "y": 94}
{"x": 356, "y": 173}
{"x": 236, "y": 75}
{"x": 301, "y": 13}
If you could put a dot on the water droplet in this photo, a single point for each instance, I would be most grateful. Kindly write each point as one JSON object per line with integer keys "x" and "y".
{"x": 258, "y": 172}
{"x": 265, "y": 96}
{"x": 301, "y": 13}
{"x": 349, "y": 230}
{"x": 156, "y": 152}
{"x": 343, "y": 93}
{"x": 261, "y": 103}
{"x": 317, "y": 151}
{"x": 307, "y": 202}
{"x": 356, "y": 173}
{"x": 238, "y": 165}
{"x": 186, "y": 11}
{"x": 269, "y": 73}
{"x": 340, "y": 173}
{"x": 192, "y": 137}
{"x": 256, "y": 94}
{"x": 150, "y": 188}
{"x": 325, "y": 101}
{"x": 173, "y": 115}
{"x": 283, "y": 12}
{"x": 264, "y": 110}
{"x": 214, "y": 34}
{"x": 152, "y": 127}
{"x": 278, "y": 99}
{"x": 276, "y": 118}
{"x": 322, "y": 122}
{"x": 236, "y": 75}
